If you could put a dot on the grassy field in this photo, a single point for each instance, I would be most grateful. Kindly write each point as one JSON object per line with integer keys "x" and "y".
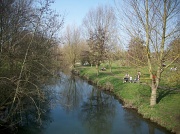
{"x": 137, "y": 95}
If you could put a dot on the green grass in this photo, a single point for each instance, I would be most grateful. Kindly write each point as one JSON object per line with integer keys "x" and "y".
{"x": 137, "y": 95}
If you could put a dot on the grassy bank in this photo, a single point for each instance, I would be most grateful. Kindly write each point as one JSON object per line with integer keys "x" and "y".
{"x": 137, "y": 95}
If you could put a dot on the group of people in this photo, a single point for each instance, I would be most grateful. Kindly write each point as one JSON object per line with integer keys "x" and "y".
{"x": 128, "y": 78}
{"x": 173, "y": 69}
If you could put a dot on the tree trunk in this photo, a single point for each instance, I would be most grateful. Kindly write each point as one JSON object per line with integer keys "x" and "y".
{"x": 97, "y": 68}
{"x": 153, "y": 94}
{"x": 110, "y": 65}
{"x": 74, "y": 62}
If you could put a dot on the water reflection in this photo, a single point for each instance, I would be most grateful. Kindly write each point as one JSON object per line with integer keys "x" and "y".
{"x": 139, "y": 125}
{"x": 30, "y": 124}
{"x": 133, "y": 121}
{"x": 79, "y": 108}
{"x": 70, "y": 94}
{"x": 97, "y": 112}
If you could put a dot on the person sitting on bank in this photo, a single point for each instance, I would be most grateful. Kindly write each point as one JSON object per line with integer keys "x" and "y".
{"x": 126, "y": 78}
{"x": 103, "y": 69}
{"x": 130, "y": 79}
{"x": 138, "y": 76}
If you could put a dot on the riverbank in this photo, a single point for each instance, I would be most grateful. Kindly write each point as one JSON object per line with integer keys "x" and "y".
{"x": 137, "y": 95}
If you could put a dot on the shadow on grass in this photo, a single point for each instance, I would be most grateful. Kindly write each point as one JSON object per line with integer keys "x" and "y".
{"x": 163, "y": 93}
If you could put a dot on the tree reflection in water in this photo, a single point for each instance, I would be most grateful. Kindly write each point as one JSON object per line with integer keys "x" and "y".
{"x": 29, "y": 117}
{"x": 133, "y": 121}
{"x": 98, "y": 112}
{"x": 81, "y": 108}
{"x": 70, "y": 94}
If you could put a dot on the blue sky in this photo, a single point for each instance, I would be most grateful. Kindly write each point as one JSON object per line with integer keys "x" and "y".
{"x": 75, "y": 10}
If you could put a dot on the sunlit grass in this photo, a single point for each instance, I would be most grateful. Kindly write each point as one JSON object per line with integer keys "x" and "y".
{"x": 137, "y": 95}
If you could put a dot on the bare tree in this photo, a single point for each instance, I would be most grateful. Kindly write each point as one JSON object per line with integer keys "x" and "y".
{"x": 156, "y": 21}
{"x": 27, "y": 36}
{"x": 136, "y": 52}
{"x": 84, "y": 53}
{"x": 99, "y": 24}
{"x": 173, "y": 49}
{"x": 111, "y": 52}
{"x": 72, "y": 40}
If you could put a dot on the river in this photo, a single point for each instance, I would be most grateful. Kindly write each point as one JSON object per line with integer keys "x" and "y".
{"x": 80, "y": 108}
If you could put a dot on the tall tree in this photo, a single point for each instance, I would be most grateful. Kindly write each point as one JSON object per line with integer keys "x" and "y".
{"x": 174, "y": 49}
{"x": 112, "y": 50}
{"x": 28, "y": 31}
{"x": 72, "y": 40}
{"x": 100, "y": 25}
{"x": 158, "y": 21}
{"x": 136, "y": 52}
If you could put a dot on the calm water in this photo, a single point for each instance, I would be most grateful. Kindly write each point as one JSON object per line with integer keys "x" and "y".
{"x": 80, "y": 108}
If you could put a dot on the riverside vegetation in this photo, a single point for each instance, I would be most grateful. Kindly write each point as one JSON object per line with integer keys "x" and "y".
{"x": 137, "y": 95}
